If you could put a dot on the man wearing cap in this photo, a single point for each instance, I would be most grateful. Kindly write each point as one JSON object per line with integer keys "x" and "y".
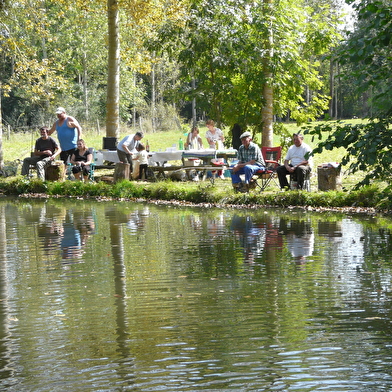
{"x": 250, "y": 160}
{"x": 68, "y": 132}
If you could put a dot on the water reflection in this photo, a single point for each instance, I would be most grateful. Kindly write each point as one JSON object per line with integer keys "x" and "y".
{"x": 50, "y": 227}
{"x": 299, "y": 238}
{"x": 61, "y": 229}
{"x": 251, "y": 236}
{"x": 5, "y": 371}
{"x": 128, "y": 296}
{"x": 117, "y": 218}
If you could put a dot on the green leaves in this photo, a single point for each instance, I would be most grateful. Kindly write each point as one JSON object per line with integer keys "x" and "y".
{"x": 367, "y": 52}
{"x": 367, "y": 65}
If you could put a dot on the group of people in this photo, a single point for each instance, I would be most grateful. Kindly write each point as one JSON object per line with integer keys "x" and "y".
{"x": 71, "y": 148}
{"x": 298, "y": 163}
{"x": 214, "y": 136}
{"x": 130, "y": 149}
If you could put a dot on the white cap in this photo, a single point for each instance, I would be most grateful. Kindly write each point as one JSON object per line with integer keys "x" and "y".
{"x": 60, "y": 110}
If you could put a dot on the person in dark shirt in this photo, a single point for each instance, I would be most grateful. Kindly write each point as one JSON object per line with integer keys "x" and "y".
{"x": 81, "y": 159}
{"x": 236, "y": 132}
{"x": 45, "y": 151}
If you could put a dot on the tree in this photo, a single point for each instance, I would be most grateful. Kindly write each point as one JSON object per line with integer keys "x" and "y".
{"x": 252, "y": 61}
{"x": 267, "y": 110}
{"x": 143, "y": 18}
{"x": 368, "y": 53}
{"x": 113, "y": 86}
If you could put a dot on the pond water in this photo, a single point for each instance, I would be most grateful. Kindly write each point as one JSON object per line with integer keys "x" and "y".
{"x": 118, "y": 296}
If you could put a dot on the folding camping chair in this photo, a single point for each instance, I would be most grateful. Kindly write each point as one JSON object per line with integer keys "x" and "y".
{"x": 263, "y": 178}
{"x": 69, "y": 174}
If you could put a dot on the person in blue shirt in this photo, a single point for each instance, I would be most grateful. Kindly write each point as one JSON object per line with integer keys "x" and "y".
{"x": 250, "y": 160}
{"x": 69, "y": 132}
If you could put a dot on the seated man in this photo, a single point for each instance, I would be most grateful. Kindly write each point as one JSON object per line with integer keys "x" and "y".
{"x": 250, "y": 160}
{"x": 298, "y": 162}
{"x": 46, "y": 150}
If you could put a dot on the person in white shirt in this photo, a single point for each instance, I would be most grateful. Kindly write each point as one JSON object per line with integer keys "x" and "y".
{"x": 142, "y": 158}
{"x": 214, "y": 135}
{"x": 298, "y": 161}
{"x": 127, "y": 146}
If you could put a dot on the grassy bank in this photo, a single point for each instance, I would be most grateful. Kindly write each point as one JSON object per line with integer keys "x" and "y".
{"x": 368, "y": 199}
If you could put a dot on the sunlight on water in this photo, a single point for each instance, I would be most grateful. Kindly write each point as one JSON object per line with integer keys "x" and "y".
{"x": 121, "y": 296}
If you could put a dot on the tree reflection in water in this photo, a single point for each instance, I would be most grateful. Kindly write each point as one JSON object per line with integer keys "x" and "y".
{"x": 191, "y": 299}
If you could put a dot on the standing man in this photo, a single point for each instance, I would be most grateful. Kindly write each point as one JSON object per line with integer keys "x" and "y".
{"x": 250, "y": 160}
{"x": 68, "y": 132}
{"x": 298, "y": 162}
{"x": 127, "y": 146}
{"x": 46, "y": 149}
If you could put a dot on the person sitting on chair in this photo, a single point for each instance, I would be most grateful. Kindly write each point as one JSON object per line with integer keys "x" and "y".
{"x": 45, "y": 151}
{"x": 81, "y": 159}
{"x": 250, "y": 160}
{"x": 297, "y": 161}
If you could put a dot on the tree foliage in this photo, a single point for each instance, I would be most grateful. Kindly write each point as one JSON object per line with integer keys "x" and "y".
{"x": 368, "y": 54}
{"x": 233, "y": 49}
{"x": 56, "y": 53}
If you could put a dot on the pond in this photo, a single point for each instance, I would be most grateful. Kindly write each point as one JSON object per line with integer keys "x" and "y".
{"x": 119, "y": 296}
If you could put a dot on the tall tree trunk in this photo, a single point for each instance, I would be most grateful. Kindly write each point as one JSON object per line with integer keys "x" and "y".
{"x": 194, "y": 119}
{"x": 339, "y": 112}
{"x": 1, "y": 136}
{"x": 134, "y": 103}
{"x": 85, "y": 86}
{"x": 153, "y": 98}
{"x": 113, "y": 89}
{"x": 267, "y": 111}
{"x": 331, "y": 89}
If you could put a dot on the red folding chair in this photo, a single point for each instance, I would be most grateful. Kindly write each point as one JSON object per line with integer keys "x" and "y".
{"x": 263, "y": 178}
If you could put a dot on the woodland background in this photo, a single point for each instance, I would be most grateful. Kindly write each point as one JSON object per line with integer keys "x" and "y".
{"x": 159, "y": 65}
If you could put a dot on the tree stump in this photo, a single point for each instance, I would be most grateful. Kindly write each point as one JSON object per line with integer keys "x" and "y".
{"x": 55, "y": 171}
{"x": 329, "y": 178}
{"x": 121, "y": 171}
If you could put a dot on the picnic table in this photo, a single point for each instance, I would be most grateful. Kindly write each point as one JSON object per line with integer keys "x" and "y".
{"x": 208, "y": 160}
{"x": 209, "y": 154}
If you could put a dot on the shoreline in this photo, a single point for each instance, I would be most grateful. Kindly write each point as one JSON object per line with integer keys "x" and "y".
{"x": 369, "y": 211}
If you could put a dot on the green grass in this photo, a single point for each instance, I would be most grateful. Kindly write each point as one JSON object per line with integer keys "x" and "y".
{"x": 365, "y": 200}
